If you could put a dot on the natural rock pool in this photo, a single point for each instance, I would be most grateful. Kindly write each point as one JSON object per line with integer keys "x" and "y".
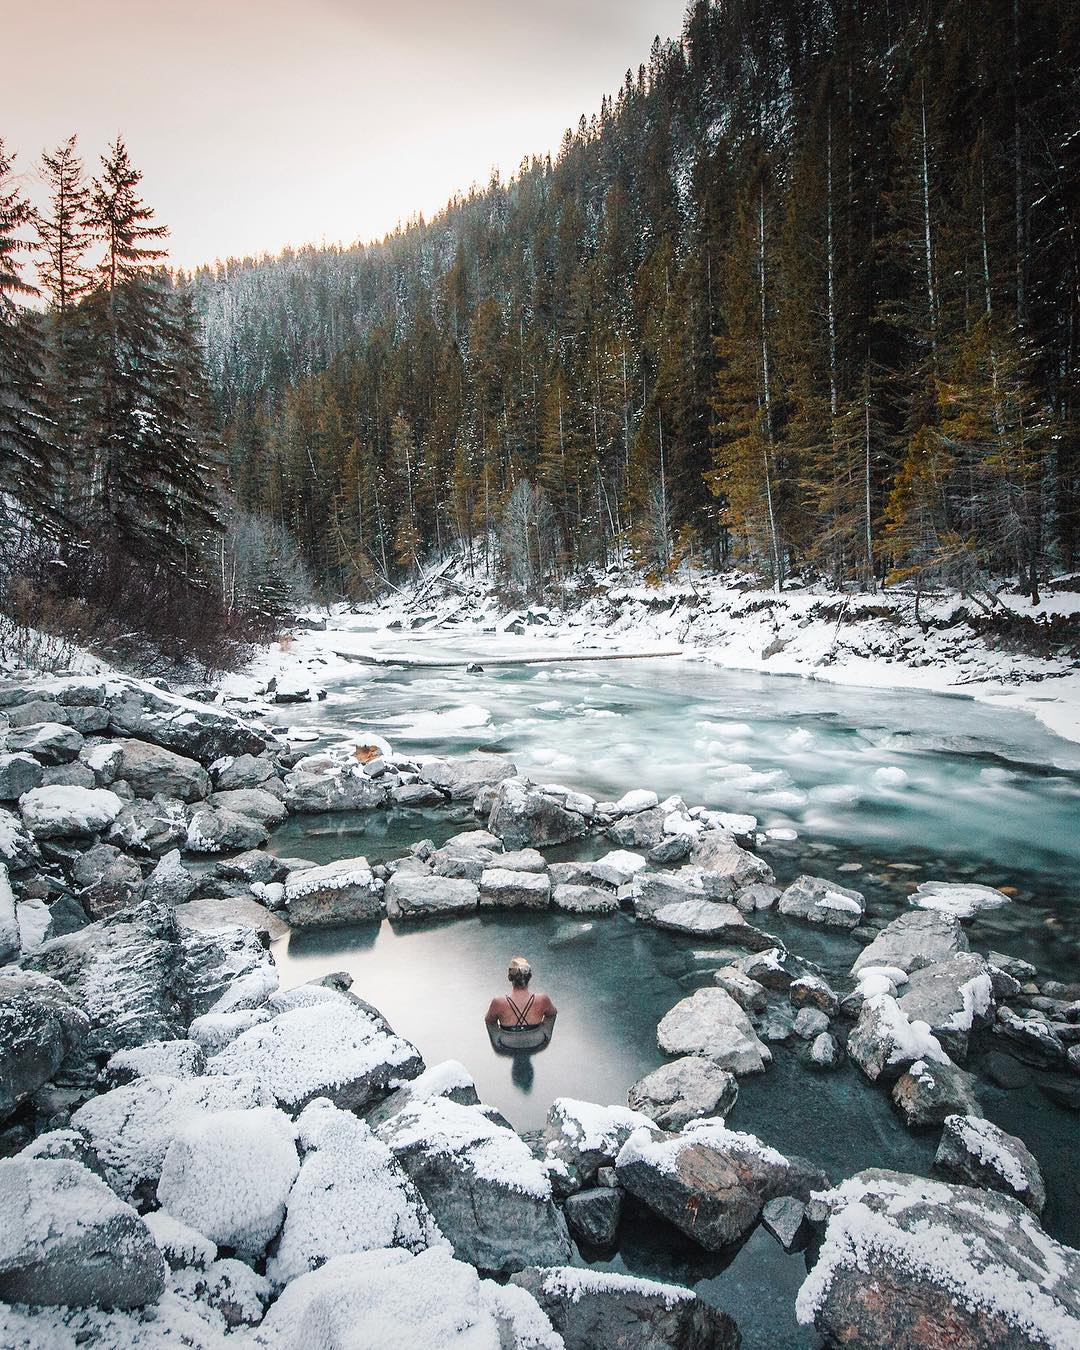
{"x": 894, "y": 787}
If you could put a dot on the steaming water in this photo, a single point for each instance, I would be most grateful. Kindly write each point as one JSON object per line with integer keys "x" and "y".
{"x": 906, "y": 786}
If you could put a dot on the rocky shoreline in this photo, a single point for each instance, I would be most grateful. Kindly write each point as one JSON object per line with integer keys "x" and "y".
{"x": 192, "y": 1155}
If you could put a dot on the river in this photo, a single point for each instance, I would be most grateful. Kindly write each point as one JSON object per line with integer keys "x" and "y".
{"x": 894, "y": 787}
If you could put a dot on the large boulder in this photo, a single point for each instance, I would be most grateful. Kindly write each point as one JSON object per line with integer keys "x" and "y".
{"x": 40, "y": 1025}
{"x": 216, "y": 829}
{"x": 68, "y": 812}
{"x": 337, "y": 788}
{"x": 350, "y": 1196}
{"x": 228, "y": 1174}
{"x": 689, "y": 1088}
{"x": 413, "y": 896}
{"x": 153, "y": 827}
{"x": 728, "y": 867}
{"x": 206, "y": 915}
{"x": 583, "y": 899}
{"x": 19, "y": 773}
{"x": 715, "y": 920}
{"x": 487, "y": 1192}
{"x": 461, "y": 777}
{"x": 192, "y": 729}
{"x": 909, "y": 1263}
{"x": 916, "y": 939}
{"x": 525, "y": 815}
{"x": 579, "y": 1138}
{"x": 377, "y": 1299}
{"x": 599, "y": 1308}
{"x": 885, "y": 1044}
{"x": 67, "y": 1241}
{"x": 254, "y": 803}
{"x": 244, "y": 771}
{"x": 107, "y": 880}
{"x": 334, "y": 1048}
{"x": 819, "y": 901}
{"x": 978, "y": 1153}
{"x": 339, "y": 893}
{"x": 151, "y": 769}
{"x": 712, "y": 1024}
{"x": 130, "y": 1128}
{"x": 951, "y": 997}
{"x": 711, "y": 1182}
{"x": 931, "y": 1090}
{"x": 48, "y": 742}
{"x": 641, "y": 830}
{"x": 505, "y": 888}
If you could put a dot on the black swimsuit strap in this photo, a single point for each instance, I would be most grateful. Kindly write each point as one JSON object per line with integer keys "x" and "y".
{"x": 521, "y": 1013}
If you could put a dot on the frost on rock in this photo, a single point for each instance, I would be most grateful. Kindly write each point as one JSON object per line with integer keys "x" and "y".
{"x": 333, "y": 1049}
{"x": 132, "y": 1127}
{"x": 214, "y": 1031}
{"x": 68, "y": 812}
{"x": 179, "y": 1243}
{"x": 885, "y": 1043}
{"x": 174, "y": 1320}
{"x": 978, "y": 1153}
{"x": 230, "y": 1287}
{"x": 580, "y": 1138}
{"x": 901, "y": 1254}
{"x": 248, "y": 992}
{"x": 66, "y": 1239}
{"x": 173, "y": 1059}
{"x": 385, "y": 1300}
{"x": 350, "y": 1196}
{"x": 958, "y": 899}
{"x": 228, "y": 1174}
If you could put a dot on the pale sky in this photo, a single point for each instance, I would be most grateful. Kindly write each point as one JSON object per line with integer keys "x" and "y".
{"x": 263, "y": 123}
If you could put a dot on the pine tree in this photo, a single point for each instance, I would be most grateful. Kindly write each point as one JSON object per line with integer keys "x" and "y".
{"x": 27, "y": 483}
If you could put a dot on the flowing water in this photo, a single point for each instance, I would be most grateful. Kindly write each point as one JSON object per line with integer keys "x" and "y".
{"x": 901, "y": 786}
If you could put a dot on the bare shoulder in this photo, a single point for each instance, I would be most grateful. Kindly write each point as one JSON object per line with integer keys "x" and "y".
{"x": 544, "y": 1004}
{"x": 496, "y": 1008}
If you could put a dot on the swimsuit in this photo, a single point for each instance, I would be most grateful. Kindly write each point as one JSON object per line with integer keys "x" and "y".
{"x": 522, "y": 1035}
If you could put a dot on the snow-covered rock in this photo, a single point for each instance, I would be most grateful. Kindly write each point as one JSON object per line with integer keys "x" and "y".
{"x": 107, "y": 880}
{"x": 634, "y": 801}
{"x": 712, "y": 1024}
{"x": 341, "y": 788}
{"x": 179, "y": 1243}
{"x": 193, "y": 729}
{"x": 391, "y": 1300}
{"x": 488, "y": 1194}
{"x": 338, "y": 893}
{"x": 978, "y": 1153}
{"x": 689, "y": 1088}
{"x": 951, "y": 997}
{"x": 960, "y": 899}
{"x": 584, "y": 899}
{"x": 67, "y": 1240}
{"x": 170, "y": 883}
{"x": 594, "y": 1308}
{"x": 173, "y": 1059}
{"x": 884, "y": 1043}
{"x": 68, "y": 812}
{"x": 48, "y": 742}
{"x": 131, "y": 1127}
{"x": 350, "y": 1196}
{"x": 228, "y": 1175}
{"x": 333, "y": 1048}
{"x": 579, "y": 1138}
{"x": 525, "y": 815}
{"x": 902, "y": 1254}
{"x": 461, "y": 777}
{"x": 10, "y": 933}
{"x": 19, "y": 772}
{"x": 709, "y": 1181}
{"x": 40, "y": 1025}
{"x": 727, "y": 868}
{"x": 151, "y": 827}
{"x": 824, "y": 902}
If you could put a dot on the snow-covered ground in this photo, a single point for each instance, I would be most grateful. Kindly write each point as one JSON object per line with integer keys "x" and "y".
{"x": 855, "y": 639}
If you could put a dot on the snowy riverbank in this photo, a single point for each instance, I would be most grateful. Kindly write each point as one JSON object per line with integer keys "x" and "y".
{"x": 860, "y": 640}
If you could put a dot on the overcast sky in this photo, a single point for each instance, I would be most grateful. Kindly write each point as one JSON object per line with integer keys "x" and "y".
{"x": 261, "y": 123}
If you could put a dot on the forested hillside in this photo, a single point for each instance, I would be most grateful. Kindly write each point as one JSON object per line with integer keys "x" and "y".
{"x": 803, "y": 295}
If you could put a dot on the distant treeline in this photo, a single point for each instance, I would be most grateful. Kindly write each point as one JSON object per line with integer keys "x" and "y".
{"x": 804, "y": 295}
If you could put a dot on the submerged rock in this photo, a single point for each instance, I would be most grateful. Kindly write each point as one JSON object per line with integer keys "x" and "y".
{"x": 592, "y": 1309}
{"x": 68, "y": 1241}
{"x": 978, "y": 1153}
{"x": 687, "y": 1089}
{"x": 712, "y": 1182}
{"x": 712, "y": 1024}
{"x": 905, "y": 1260}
